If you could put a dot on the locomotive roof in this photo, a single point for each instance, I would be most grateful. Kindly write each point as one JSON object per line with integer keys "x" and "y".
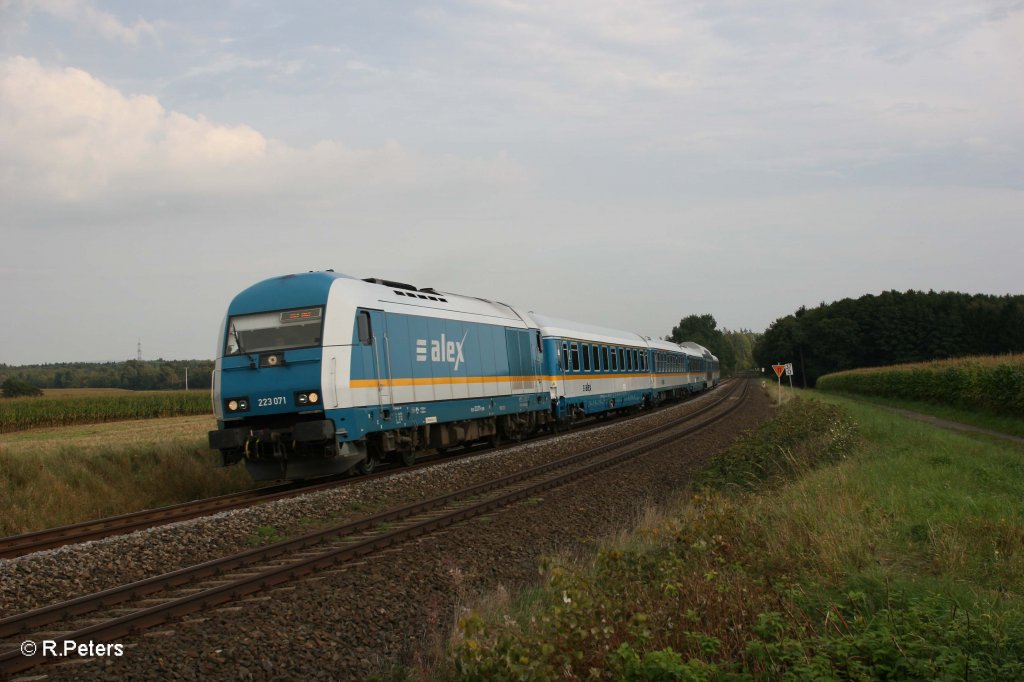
{"x": 432, "y": 302}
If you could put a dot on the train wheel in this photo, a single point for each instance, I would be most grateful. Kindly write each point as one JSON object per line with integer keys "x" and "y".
{"x": 407, "y": 457}
{"x": 367, "y": 465}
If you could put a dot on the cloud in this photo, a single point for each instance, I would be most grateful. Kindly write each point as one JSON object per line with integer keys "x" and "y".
{"x": 85, "y": 15}
{"x": 68, "y": 136}
{"x": 835, "y": 91}
{"x": 68, "y": 139}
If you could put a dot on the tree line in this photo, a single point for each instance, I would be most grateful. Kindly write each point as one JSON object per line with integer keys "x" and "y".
{"x": 139, "y": 375}
{"x": 892, "y": 328}
{"x": 734, "y": 349}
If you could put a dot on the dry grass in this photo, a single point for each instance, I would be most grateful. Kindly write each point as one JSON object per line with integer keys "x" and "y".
{"x": 55, "y": 476}
{"x": 88, "y": 437}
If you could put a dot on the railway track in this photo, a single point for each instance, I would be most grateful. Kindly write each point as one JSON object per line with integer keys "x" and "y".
{"x": 129, "y": 609}
{"x": 27, "y": 543}
{"x": 50, "y": 538}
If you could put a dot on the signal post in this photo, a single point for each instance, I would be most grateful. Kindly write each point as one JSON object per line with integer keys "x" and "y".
{"x": 779, "y": 369}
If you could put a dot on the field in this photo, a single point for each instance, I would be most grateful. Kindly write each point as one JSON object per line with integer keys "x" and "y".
{"x": 991, "y": 384}
{"x": 60, "y": 475}
{"x": 86, "y": 406}
{"x": 839, "y": 541}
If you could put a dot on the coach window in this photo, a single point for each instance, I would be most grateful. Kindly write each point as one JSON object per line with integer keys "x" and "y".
{"x": 604, "y": 360}
{"x": 574, "y": 354}
{"x": 622, "y": 359}
{"x": 615, "y": 361}
{"x": 365, "y": 331}
{"x": 540, "y": 345}
{"x": 596, "y": 358}
{"x": 565, "y": 356}
{"x": 636, "y": 359}
{"x": 586, "y": 357}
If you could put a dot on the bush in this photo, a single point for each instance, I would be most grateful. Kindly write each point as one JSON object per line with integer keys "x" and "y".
{"x": 16, "y": 388}
{"x": 804, "y": 434}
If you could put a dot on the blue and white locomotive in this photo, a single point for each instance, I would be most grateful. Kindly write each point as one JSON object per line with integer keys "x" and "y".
{"x": 317, "y": 373}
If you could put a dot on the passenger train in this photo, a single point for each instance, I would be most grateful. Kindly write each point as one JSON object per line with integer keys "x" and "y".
{"x": 319, "y": 373}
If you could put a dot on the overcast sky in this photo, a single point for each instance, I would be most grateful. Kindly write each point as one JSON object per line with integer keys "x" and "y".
{"x": 620, "y": 163}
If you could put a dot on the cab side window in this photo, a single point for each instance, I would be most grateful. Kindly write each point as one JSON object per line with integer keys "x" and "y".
{"x": 364, "y": 328}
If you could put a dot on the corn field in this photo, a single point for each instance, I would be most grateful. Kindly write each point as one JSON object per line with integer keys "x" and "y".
{"x": 993, "y": 384}
{"x": 27, "y": 413}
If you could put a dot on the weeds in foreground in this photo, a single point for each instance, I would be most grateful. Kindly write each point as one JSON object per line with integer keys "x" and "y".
{"x": 760, "y": 577}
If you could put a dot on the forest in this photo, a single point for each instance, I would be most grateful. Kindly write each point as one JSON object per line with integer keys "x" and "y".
{"x": 891, "y": 328}
{"x": 139, "y": 375}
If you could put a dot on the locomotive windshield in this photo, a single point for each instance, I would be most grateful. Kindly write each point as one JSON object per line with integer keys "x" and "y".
{"x": 274, "y": 331}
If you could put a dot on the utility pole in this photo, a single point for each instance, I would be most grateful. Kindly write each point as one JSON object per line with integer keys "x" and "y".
{"x": 138, "y": 351}
{"x": 186, "y": 377}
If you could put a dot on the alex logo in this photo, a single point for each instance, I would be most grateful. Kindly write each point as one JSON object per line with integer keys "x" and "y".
{"x": 441, "y": 350}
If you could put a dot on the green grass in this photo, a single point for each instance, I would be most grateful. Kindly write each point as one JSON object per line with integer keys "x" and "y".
{"x": 265, "y": 535}
{"x": 66, "y": 484}
{"x": 1013, "y": 426}
{"x": 867, "y": 546}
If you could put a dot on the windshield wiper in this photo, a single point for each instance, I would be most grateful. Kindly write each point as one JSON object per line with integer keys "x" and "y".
{"x": 238, "y": 342}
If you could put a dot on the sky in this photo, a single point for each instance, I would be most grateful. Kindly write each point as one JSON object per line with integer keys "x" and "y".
{"x": 624, "y": 164}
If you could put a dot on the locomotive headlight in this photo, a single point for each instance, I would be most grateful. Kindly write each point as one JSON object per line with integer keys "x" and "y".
{"x": 307, "y": 398}
{"x": 237, "y": 404}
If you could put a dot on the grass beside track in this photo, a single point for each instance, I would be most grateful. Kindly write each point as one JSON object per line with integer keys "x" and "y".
{"x": 28, "y": 413}
{"x": 1013, "y": 426}
{"x": 53, "y": 477}
{"x": 838, "y": 541}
